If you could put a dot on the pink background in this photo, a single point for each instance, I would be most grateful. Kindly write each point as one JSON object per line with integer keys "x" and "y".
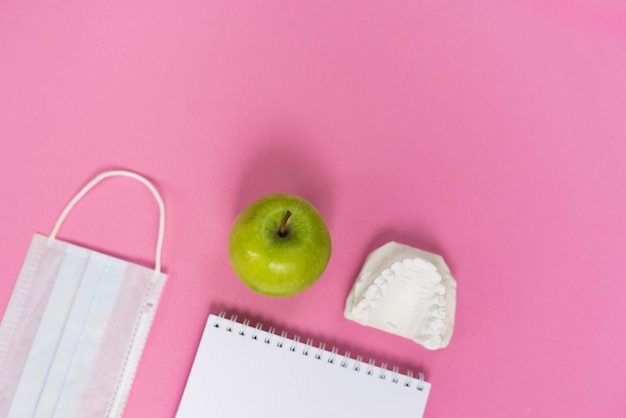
{"x": 493, "y": 133}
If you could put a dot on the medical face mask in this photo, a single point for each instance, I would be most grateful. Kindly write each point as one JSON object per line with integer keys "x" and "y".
{"x": 76, "y": 325}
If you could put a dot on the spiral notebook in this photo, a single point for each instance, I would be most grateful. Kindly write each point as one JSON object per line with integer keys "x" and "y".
{"x": 245, "y": 371}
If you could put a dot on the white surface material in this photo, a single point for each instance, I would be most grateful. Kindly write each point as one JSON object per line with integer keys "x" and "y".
{"x": 407, "y": 292}
{"x": 244, "y": 371}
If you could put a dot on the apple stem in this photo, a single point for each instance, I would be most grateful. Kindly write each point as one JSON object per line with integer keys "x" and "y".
{"x": 282, "y": 232}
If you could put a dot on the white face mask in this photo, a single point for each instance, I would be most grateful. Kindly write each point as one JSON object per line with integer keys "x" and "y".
{"x": 76, "y": 325}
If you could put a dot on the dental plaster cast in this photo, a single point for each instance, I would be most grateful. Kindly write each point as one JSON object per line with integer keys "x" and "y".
{"x": 407, "y": 292}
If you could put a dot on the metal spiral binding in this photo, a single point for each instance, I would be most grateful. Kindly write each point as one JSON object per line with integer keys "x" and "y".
{"x": 307, "y": 346}
{"x": 394, "y": 374}
{"x": 409, "y": 376}
{"x": 294, "y": 345}
{"x": 255, "y": 333}
{"x": 382, "y": 374}
{"x": 321, "y": 352}
{"x": 345, "y": 360}
{"x": 244, "y": 327}
{"x": 357, "y": 364}
{"x": 333, "y": 355}
{"x": 281, "y": 340}
{"x": 229, "y": 325}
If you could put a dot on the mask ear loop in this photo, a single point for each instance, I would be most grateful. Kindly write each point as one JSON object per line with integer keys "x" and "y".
{"x": 119, "y": 173}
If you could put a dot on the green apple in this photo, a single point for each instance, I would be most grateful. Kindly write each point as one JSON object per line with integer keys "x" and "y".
{"x": 279, "y": 245}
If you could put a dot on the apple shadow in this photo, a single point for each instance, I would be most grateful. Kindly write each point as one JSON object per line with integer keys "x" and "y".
{"x": 283, "y": 164}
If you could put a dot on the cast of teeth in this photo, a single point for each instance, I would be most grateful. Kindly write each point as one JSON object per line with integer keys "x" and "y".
{"x": 405, "y": 291}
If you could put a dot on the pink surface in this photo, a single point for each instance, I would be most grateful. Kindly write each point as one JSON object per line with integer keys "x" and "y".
{"x": 493, "y": 133}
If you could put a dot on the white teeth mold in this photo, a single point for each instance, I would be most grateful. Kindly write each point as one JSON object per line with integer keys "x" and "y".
{"x": 407, "y": 292}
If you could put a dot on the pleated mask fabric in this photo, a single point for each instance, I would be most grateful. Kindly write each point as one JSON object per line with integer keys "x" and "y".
{"x": 76, "y": 325}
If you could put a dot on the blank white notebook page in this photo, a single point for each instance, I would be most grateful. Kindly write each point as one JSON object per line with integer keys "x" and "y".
{"x": 242, "y": 371}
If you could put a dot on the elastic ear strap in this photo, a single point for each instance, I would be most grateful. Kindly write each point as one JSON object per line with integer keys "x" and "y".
{"x": 119, "y": 173}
